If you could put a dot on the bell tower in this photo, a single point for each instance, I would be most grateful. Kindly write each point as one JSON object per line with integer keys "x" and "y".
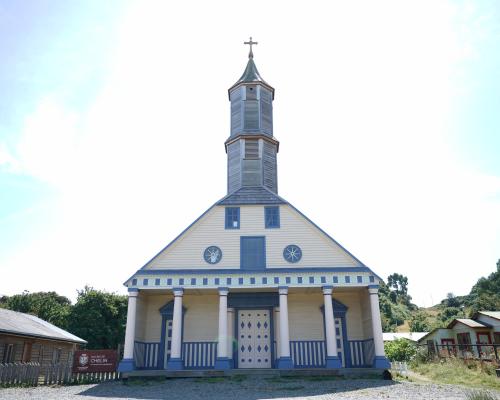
{"x": 251, "y": 148}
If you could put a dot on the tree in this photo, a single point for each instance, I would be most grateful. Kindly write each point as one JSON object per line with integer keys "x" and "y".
{"x": 48, "y": 306}
{"x": 419, "y": 322}
{"x": 99, "y": 317}
{"x": 400, "y": 350}
{"x": 399, "y": 283}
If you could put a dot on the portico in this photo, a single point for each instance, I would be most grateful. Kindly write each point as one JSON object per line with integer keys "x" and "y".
{"x": 275, "y": 328}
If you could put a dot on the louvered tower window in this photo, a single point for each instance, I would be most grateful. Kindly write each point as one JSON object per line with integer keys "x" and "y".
{"x": 251, "y": 149}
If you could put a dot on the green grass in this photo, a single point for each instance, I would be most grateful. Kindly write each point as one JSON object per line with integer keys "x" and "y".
{"x": 456, "y": 372}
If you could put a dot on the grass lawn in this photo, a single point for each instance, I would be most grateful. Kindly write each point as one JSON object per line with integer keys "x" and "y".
{"x": 455, "y": 371}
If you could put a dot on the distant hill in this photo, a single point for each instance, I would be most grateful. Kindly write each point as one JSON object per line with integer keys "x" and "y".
{"x": 400, "y": 315}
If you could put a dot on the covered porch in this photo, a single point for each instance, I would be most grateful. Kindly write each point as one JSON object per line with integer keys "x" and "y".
{"x": 280, "y": 328}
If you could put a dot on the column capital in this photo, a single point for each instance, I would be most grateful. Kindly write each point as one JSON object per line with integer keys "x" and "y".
{"x": 283, "y": 289}
{"x": 327, "y": 289}
{"x": 223, "y": 291}
{"x": 133, "y": 292}
{"x": 178, "y": 291}
{"x": 373, "y": 289}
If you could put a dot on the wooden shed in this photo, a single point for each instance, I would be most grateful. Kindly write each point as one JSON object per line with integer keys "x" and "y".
{"x": 25, "y": 338}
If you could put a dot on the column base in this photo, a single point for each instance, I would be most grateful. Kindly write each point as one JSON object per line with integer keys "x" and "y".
{"x": 222, "y": 363}
{"x": 126, "y": 365}
{"x": 175, "y": 364}
{"x": 285, "y": 363}
{"x": 381, "y": 362}
{"x": 333, "y": 362}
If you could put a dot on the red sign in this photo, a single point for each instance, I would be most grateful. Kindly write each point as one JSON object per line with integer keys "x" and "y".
{"x": 94, "y": 361}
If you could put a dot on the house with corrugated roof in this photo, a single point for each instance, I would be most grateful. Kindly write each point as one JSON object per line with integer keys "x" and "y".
{"x": 26, "y": 338}
{"x": 467, "y": 334}
{"x": 253, "y": 283}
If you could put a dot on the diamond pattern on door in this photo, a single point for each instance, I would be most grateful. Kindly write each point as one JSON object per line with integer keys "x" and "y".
{"x": 254, "y": 343}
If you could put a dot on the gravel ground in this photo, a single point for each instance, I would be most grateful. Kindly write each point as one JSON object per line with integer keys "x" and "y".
{"x": 250, "y": 388}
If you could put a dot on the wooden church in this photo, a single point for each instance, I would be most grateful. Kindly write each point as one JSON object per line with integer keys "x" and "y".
{"x": 253, "y": 283}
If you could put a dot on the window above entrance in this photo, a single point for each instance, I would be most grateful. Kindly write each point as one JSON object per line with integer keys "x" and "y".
{"x": 253, "y": 252}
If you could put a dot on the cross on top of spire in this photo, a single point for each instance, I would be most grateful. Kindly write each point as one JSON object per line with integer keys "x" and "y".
{"x": 251, "y": 42}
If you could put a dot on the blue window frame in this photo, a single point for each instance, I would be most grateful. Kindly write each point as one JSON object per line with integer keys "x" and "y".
{"x": 372, "y": 279}
{"x": 359, "y": 279}
{"x": 272, "y": 217}
{"x": 157, "y": 281}
{"x": 232, "y": 218}
{"x": 253, "y": 252}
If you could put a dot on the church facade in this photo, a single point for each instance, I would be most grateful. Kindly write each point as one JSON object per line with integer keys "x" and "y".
{"x": 253, "y": 283}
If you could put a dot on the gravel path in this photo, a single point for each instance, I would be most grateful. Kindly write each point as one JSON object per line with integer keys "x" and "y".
{"x": 250, "y": 388}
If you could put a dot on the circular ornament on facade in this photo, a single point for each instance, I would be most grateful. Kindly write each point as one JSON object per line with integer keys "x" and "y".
{"x": 292, "y": 253}
{"x": 212, "y": 254}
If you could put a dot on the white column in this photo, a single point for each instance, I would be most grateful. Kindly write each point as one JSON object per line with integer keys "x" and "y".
{"x": 285, "y": 361}
{"x": 222, "y": 344}
{"x": 128, "y": 350}
{"x": 378, "y": 340}
{"x": 331, "y": 337}
{"x": 284, "y": 331}
{"x": 175, "y": 350}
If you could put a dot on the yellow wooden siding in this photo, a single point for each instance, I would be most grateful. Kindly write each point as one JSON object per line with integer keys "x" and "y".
{"x": 201, "y": 322}
{"x": 366, "y": 314}
{"x": 140, "y": 318}
{"x": 305, "y": 319}
{"x": 317, "y": 249}
{"x": 152, "y": 318}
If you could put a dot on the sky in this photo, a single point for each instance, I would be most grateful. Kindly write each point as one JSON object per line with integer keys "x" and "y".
{"x": 113, "y": 117}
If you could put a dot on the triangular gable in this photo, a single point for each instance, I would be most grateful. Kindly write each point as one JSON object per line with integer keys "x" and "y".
{"x": 195, "y": 239}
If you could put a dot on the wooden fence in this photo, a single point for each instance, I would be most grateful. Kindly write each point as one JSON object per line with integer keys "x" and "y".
{"x": 32, "y": 374}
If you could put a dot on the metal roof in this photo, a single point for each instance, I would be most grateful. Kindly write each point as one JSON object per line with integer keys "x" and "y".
{"x": 467, "y": 321}
{"x": 492, "y": 314}
{"x": 251, "y": 195}
{"x": 16, "y": 323}
{"x": 413, "y": 336}
{"x": 251, "y": 75}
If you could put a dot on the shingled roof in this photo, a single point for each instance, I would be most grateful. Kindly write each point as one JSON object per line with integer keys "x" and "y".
{"x": 16, "y": 323}
{"x": 251, "y": 195}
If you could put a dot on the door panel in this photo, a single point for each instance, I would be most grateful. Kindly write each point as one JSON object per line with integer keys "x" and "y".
{"x": 254, "y": 339}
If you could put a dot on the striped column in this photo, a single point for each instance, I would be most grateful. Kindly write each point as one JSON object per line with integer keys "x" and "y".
{"x": 175, "y": 361}
{"x": 222, "y": 361}
{"x": 127, "y": 364}
{"x": 378, "y": 341}
{"x": 332, "y": 358}
{"x": 285, "y": 361}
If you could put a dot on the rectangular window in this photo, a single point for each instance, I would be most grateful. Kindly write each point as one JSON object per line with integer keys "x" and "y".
{"x": 253, "y": 252}
{"x": 464, "y": 340}
{"x": 56, "y": 356}
{"x": 272, "y": 217}
{"x": 232, "y": 218}
{"x": 251, "y": 149}
{"x": 8, "y": 353}
{"x": 359, "y": 278}
{"x": 347, "y": 279}
{"x": 496, "y": 338}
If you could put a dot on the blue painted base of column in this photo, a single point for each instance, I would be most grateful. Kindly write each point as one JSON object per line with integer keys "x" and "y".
{"x": 333, "y": 362}
{"x": 381, "y": 362}
{"x": 175, "y": 364}
{"x": 285, "y": 363}
{"x": 126, "y": 365}
{"x": 223, "y": 363}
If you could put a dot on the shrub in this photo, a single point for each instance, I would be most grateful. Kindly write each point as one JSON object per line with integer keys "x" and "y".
{"x": 400, "y": 350}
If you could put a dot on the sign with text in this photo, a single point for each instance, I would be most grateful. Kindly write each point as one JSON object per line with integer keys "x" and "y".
{"x": 94, "y": 361}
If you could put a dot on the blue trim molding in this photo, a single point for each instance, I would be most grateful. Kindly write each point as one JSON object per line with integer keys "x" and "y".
{"x": 381, "y": 362}
{"x": 254, "y": 300}
{"x": 126, "y": 365}
{"x": 333, "y": 362}
{"x": 285, "y": 363}
{"x": 175, "y": 364}
{"x": 223, "y": 363}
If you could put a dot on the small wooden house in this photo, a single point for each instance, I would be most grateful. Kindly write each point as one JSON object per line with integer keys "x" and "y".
{"x": 467, "y": 335}
{"x": 25, "y": 338}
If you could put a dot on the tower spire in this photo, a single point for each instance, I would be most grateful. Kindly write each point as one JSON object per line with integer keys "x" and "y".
{"x": 251, "y": 42}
